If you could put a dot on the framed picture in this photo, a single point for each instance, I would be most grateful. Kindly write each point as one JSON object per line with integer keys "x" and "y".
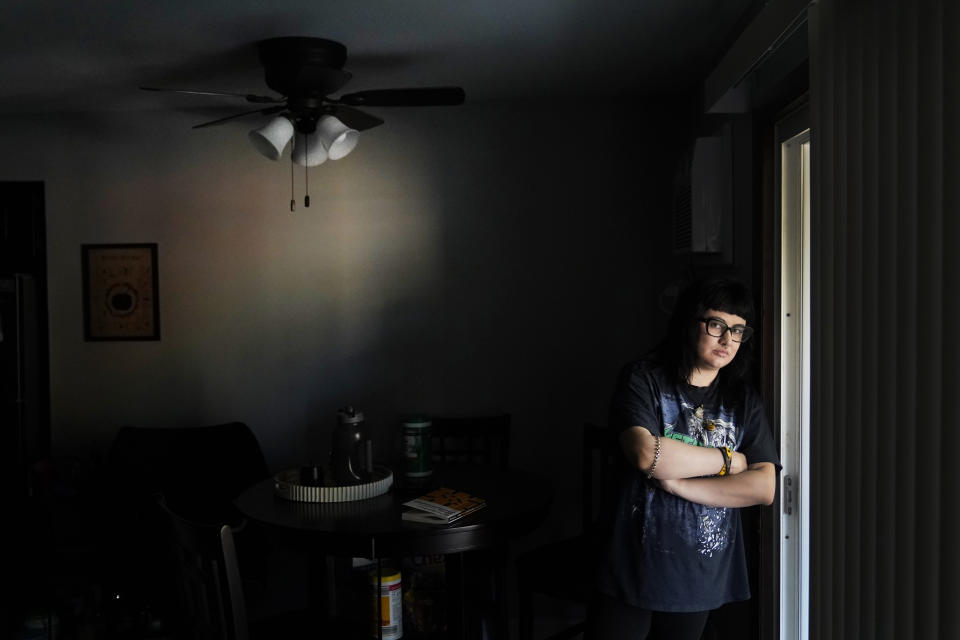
{"x": 120, "y": 292}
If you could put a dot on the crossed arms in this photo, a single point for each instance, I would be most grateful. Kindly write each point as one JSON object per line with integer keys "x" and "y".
{"x": 688, "y": 471}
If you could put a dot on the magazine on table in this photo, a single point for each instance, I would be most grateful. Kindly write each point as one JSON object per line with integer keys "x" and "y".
{"x": 442, "y": 506}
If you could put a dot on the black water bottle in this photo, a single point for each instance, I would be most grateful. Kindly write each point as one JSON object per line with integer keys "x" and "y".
{"x": 350, "y": 452}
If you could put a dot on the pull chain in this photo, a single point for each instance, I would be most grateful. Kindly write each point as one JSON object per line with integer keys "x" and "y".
{"x": 306, "y": 174}
{"x": 293, "y": 202}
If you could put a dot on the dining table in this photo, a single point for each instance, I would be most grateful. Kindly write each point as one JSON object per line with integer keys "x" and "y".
{"x": 517, "y": 502}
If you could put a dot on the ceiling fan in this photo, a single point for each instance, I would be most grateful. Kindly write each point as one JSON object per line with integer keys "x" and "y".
{"x": 305, "y": 72}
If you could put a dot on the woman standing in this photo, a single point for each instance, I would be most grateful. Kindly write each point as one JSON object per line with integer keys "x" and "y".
{"x": 696, "y": 446}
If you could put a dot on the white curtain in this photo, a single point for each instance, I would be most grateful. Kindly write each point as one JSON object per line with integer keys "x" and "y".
{"x": 885, "y": 397}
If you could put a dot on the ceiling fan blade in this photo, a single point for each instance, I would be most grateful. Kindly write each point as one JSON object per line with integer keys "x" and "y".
{"x": 249, "y": 97}
{"x": 420, "y": 97}
{"x": 240, "y": 115}
{"x": 354, "y": 118}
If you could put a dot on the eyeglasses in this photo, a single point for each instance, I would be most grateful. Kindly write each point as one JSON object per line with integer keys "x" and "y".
{"x": 717, "y": 327}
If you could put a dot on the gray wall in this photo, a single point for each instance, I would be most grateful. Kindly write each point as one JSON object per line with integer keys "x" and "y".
{"x": 485, "y": 257}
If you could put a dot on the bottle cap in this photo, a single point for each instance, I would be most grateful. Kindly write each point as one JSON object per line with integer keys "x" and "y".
{"x": 350, "y": 415}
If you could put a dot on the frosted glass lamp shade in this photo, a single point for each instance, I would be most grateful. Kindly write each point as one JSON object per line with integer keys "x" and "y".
{"x": 271, "y": 139}
{"x": 338, "y": 138}
{"x": 308, "y": 151}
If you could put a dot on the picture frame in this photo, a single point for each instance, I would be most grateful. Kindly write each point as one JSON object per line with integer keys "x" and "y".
{"x": 120, "y": 292}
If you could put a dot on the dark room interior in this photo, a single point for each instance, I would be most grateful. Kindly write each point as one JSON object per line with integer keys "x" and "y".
{"x": 503, "y": 256}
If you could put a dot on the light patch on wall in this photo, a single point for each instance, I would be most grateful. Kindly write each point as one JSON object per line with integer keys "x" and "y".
{"x": 316, "y": 297}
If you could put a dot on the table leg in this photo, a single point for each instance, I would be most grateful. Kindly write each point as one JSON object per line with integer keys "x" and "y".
{"x": 478, "y": 589}
{"x": 457, "y": 614}
{"x": 330, "y": 572}
{"x": 319, "y": 591}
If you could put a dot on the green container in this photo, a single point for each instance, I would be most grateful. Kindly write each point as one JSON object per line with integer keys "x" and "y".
{"x": 417, "y": 449}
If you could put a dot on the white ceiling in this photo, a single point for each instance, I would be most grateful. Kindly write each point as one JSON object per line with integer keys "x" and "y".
{"x": 84, "y": 55}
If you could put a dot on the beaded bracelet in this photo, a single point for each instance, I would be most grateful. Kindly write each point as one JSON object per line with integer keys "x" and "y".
{"x": 725, "y": 452}
{"x": 656, "y": 459}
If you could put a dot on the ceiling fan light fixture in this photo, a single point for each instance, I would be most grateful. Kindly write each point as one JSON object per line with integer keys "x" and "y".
{"x": 308, "y": 150}
{"x": 272, "y": 138}
{"x": 337, "y": 138}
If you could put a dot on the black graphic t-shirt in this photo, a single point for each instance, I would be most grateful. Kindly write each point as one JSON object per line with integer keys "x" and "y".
{"x": 665, "y": 553}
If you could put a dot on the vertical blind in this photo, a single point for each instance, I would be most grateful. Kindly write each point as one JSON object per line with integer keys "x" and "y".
{"x": 885, "y": 456}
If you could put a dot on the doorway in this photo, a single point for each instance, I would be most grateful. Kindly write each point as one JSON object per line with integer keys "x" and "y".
{"x": 793, "y": 339}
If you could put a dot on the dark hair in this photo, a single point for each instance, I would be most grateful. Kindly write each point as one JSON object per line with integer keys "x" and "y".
{"x": 677, "y": 352}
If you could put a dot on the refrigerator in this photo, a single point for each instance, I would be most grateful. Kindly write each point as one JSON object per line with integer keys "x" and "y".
{"x": 23, "y": 419}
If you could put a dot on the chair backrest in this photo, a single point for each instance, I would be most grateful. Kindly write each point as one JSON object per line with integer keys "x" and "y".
{"x": 211, "y": 599}
{"x": 480, "y": 439}
{"x": 199, "y": 469}
{"x": 213, "y": 462}
{"x": 600, "y": 451}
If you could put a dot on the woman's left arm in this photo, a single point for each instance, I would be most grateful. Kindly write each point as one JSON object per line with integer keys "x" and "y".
{"x": 756, "y": 485}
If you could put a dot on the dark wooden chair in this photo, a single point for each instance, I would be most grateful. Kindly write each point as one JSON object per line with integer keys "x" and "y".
{"x": 211, "y": 589}
{"x": 208, "y": 576}
{"x": 564, "y": 569}
{"x": 478, "y": 439}
{"x": 201, "y": 469}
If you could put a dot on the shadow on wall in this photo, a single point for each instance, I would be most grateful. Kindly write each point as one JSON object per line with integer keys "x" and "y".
{"x": 443, "y": 266}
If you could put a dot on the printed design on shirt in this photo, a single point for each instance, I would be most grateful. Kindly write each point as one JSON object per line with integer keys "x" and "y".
{"x": 710, "y": 426}
{"x": 713, "y": 532}
{"x": 703, "y": 427}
